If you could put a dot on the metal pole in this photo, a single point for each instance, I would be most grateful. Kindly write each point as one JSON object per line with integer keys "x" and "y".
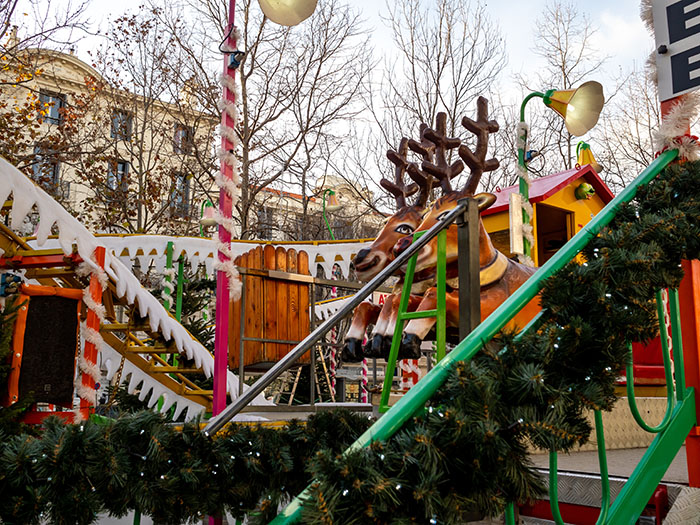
{"x": 328, "y": 225}
{"x": 241, "y": 346}
{"x": 468, "y": 268}
{"x": 217, "y": 422}
{"x": 522, "y": 183}
{"x": 180, "y": 282}
{"x": 312, "y": 361}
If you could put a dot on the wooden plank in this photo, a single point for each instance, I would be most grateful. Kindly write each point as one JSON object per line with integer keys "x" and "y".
{"x": 283, "y": 301}
{"x": 254, "y": 310}
{"x": 270, "y": 350}
{"x": 293, "y": 301}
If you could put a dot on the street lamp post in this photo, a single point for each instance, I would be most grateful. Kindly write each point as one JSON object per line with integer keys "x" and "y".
{"x": 580, "y": 109}
{"x": 333, "y": 205}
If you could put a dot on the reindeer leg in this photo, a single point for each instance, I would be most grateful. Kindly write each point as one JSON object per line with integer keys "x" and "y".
{"x": 413, "y": 303}
{"x": 417, "y": 329}
{"x": 364, "y": 315}
{"x": 373, "y": 346}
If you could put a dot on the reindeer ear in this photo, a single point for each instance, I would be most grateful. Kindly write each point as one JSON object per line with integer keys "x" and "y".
{"x": 485, "y": 200}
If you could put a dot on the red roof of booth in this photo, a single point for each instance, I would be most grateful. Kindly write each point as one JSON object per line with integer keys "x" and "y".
{"x": 542, "y": 188}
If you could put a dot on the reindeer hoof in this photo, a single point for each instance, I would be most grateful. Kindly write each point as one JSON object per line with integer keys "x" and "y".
{"x": 386, "y": 346}
{"x": 374, "y": 347}
{"x": 352, "y": 351}
{"x": 410, "y": 347}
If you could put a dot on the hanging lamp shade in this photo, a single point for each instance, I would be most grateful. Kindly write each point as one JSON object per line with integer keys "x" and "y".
{"x": 332, "y": 204}
{"x": 579, "y": 107}
{"x": 584, "y": 156}
{"x": 287, "y": 12}
{"x": 208, "y": 218}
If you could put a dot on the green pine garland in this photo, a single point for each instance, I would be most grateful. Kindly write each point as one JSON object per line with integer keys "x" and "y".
{"x": 467, "y": 454}
{"x": 73, "y": 472}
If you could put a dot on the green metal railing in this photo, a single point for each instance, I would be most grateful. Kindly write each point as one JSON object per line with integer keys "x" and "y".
{"x": 659, "y": 454}
{"x": 439, "y": 312}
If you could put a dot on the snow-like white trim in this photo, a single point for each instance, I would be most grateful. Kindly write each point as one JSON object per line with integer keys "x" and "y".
{"x": 198, "y": 250}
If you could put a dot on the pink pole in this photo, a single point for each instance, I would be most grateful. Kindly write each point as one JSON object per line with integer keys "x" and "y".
{"x": 225, "y": 208}
{"x": 222, "y": 287}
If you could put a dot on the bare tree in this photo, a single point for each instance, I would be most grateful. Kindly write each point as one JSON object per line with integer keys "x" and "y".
{"x": 38, "y": 23}
{"x": 445, "y": 54}
{"x": 563, "y": 38}
{"x": 623, "y": 142}
{"x": 160, "y": 151}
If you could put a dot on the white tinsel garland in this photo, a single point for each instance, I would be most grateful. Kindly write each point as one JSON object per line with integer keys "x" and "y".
{"x": 673, "y": 132}
{"x": 521, "y": 135}
{"x": 168, "y": 286}
{"x": 230, "y": 186}
{"x": 91, "y": 335}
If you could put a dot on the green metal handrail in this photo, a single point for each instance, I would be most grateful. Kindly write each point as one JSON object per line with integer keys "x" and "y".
{"x": 409, "y": 404}
{"x": 604, "y": 479}
{"x": 670, "y": 393}
{"x": 438, "y": 312}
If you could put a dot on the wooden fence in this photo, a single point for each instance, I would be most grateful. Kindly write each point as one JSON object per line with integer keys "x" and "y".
{"x": 274, "y": 309}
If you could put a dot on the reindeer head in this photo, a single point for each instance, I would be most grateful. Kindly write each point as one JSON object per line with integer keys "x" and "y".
{"x": 477, "y": 163}
{"x": 370, "y": 261}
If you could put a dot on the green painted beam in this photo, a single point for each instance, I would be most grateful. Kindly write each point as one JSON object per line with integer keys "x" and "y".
{"x": 639, "y": 489}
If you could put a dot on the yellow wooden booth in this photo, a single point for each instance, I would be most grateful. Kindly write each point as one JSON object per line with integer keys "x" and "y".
{"x": 561, "y": 208}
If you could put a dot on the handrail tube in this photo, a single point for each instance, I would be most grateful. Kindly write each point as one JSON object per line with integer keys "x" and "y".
{"x": 216, "y": 423}
{"x": 677, "y": 338}
{"x": 604, "y": 479}
{"x": 392, "y": 421}
{"x": 670, "y": 394}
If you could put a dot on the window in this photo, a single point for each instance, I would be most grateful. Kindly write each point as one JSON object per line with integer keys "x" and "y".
{"x": 182, "y": 141}
{"x": 52, "y": 104}
{"x": 181, "y": 196}
{"x": 117, "y": 176}
{"x": 46, "y": 169}
{"x": 121, "y": 125}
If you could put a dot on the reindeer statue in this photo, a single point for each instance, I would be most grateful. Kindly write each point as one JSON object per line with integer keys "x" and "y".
{"x": 499, "y": 276}
{"x": 370, "y": 261}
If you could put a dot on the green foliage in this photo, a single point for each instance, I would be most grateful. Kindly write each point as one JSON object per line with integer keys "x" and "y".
{"x": 73, "y": 472}
{"x": 468, "y": 451}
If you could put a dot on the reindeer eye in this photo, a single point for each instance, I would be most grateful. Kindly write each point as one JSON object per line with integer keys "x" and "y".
{"x": 404, "y": 229}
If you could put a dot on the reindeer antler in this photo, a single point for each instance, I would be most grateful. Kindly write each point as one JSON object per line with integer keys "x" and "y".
{"x": 426, "y": 149}
{"x": 440, "y": 169}
{"x": 398, "y": 189}
{"x": 476, "y": 160}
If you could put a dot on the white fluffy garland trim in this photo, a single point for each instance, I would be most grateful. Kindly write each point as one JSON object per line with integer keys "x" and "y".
{"x": 646, "y": 13}
{"x": 84, "y": 269}
{"x": 229, "y": 185}
{"x": 521, "y": 135}
{"x": 229, "y": 134}
{"x": 96, "y": 307}
{"x": 672, "y": 134}
{"x": 234, "y": 283}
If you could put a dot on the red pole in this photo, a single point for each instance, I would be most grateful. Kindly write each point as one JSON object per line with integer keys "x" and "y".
{"x": 92, "y": 321}
{"x": 225, "y": 208}
{"x": 689, "y": 302}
